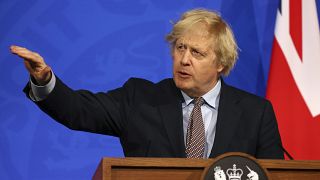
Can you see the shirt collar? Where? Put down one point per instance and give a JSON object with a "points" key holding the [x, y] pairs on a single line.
{"points": [[210, 97]]}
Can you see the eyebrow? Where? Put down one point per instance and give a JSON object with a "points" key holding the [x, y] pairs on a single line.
{"points": [[194, 47]]}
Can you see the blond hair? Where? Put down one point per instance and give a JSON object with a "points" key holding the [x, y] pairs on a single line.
{"points": [[224, 43]]}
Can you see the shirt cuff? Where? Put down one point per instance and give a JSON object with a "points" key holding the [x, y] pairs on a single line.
{"points": [[39, 93]]}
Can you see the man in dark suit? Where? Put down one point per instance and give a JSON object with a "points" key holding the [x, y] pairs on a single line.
{"points": [[193, 115]]}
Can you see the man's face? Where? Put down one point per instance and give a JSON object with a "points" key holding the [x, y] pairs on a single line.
{"points": [[195, 70]]}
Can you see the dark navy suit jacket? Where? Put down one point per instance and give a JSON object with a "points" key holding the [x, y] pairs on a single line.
{"points": [[147, 118]]}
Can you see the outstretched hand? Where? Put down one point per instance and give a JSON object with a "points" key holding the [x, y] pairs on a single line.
{"points": [[34, 63]]}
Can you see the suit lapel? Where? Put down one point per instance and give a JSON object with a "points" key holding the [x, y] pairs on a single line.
{"points": [[227, 120], [171, 114]]}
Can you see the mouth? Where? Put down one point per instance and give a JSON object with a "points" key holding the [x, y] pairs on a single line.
{"points": [[184, 74]]}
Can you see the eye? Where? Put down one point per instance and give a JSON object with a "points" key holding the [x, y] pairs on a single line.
{"points": [[180, 46], [197, 54]]}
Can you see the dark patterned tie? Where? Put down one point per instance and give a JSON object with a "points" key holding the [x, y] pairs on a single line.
{"points": [[195, 132]]}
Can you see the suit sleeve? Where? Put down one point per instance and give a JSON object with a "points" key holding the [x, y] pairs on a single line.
{"points": [[102, 113], [269, 145]]}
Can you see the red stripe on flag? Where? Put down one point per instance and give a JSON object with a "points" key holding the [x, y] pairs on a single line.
{"points": [[296, 24]]}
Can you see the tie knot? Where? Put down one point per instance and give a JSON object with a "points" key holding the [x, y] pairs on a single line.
{"points": [[199, 101]]}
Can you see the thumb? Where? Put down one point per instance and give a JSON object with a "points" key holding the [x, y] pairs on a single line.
{"points": [[42, 77], [45, 75], [46, 70]]}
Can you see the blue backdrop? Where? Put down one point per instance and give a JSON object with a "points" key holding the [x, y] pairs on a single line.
{"points": [[98, 45]]}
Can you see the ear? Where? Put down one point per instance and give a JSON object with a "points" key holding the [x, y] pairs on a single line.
{"points": [[172, 49], [220, 68]]}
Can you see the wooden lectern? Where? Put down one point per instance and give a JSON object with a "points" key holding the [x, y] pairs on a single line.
{"points": [[189, 169]]}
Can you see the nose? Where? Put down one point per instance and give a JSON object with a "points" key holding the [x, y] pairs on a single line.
{"points": [[186, 58]]}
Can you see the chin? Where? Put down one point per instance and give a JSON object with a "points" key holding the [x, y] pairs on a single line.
{"points": [[182, 84]]}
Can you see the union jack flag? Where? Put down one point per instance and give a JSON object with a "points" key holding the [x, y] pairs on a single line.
{"points": [[294, 78]]}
